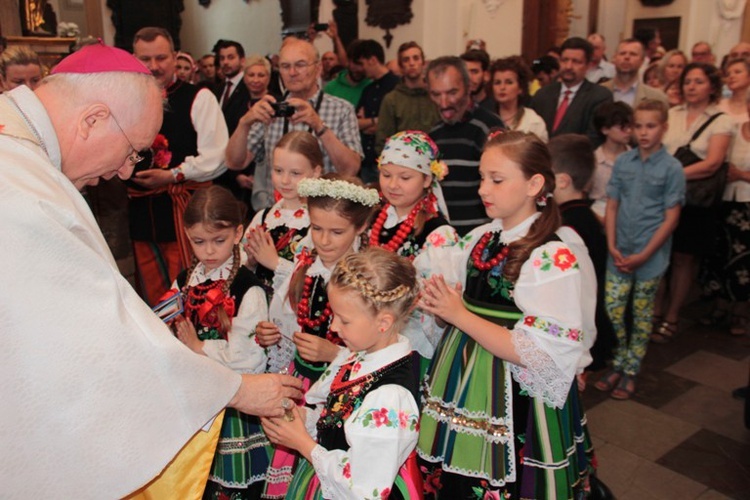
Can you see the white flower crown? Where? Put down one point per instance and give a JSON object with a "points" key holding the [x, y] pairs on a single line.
{"points": [[339, 190]]}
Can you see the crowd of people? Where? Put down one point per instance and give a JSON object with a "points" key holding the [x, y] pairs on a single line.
{"points": [[413, 264]]}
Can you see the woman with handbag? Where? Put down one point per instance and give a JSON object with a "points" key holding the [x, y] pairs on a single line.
{"points": [[703, 151]]}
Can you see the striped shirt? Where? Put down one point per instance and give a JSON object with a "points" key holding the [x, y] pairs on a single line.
{"points": [[460, 147]]}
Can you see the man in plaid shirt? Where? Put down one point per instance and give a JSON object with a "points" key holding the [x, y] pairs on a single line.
{"points": [[332, 120]]}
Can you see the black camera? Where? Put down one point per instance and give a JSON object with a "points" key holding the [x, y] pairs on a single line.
{"points": [[282, 109], [321, 27]]}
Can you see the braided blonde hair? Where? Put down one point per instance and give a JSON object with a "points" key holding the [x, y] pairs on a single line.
{"points": [[384, 281]]}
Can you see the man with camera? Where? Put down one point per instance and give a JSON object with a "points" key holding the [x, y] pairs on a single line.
{"points": [[305, 107]]}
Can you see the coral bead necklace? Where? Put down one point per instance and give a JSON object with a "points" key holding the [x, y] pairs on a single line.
{"points": [[404, 230], [476, 254], [303, 308]]}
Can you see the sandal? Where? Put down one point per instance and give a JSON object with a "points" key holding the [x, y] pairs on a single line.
{"points": [[608, 381], [664, 333], [625, 389]]}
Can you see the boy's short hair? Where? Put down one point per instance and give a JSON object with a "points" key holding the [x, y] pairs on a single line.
{"points": [[572, 154], [610, 114], [366, 49], [654, 105], [477, 55]]}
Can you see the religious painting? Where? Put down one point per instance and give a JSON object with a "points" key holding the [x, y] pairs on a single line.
{"points": [[37, 18]]}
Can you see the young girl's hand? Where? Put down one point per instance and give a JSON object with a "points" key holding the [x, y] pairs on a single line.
{"points": [[290, 433], [261, 247], [267, 334], [315, 349], [187, 334], [440, 299]]}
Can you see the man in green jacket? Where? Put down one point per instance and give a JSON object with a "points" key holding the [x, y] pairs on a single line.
{"points": [[408, 106]]}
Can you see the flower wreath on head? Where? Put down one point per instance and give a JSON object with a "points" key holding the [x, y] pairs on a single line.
{"points": [[339, 190]]}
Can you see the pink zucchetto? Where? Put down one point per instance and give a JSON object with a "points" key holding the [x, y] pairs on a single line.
{"points": [[99, 58]]}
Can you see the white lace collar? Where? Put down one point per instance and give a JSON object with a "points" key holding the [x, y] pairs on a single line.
{"points": [[511, 235], [369, 362], [200, 275], [293, 219]]}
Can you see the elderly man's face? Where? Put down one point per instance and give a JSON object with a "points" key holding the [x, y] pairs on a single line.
{"points": [[449, 93], [702, 53], [298, 68], [599, 47], [742, 49], [107, 150], [158, 57]]}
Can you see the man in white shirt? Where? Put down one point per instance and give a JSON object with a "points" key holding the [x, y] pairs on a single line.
{"points": [[196, 137]]}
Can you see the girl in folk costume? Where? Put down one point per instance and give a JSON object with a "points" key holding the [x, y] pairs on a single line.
{"points": [[359, 432], [224, 301], [501, 416], [299, 337], [414, 216], [274, 233]]}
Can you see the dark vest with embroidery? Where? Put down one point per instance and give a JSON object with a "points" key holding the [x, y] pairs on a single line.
{"points": [[243, 281], [285, 252], [318, 303], [152, 217], [350, 395]]}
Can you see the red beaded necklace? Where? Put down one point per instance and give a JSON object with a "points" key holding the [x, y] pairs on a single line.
{"points": [[306, 259], [476, 254], [406, 227]]}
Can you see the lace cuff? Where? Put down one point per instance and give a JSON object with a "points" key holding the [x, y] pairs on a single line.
{"points": [[539, 376], [318, 456], [280, 355]]}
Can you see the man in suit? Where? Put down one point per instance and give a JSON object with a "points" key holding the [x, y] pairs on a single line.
{"points": [[234, 98], [567, 106], [232, 94], [626, 86]]}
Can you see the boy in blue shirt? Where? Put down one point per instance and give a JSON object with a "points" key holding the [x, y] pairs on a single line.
{"points": [[645, 195]]}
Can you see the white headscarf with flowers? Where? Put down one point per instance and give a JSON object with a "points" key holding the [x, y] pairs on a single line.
{"points": [[415, 150]]}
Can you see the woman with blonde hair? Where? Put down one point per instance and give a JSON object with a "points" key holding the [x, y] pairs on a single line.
{"points": [[19, 65]]}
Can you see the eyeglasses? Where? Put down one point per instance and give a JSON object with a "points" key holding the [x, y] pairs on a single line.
{"points": [[299, 66], [134, 157]]}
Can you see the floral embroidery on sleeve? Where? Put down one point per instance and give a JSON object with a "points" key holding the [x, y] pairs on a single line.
{"points": [[553, 329], [389, 418], [562, 258]]}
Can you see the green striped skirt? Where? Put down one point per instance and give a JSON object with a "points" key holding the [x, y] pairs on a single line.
{"points": [[478, 423]]}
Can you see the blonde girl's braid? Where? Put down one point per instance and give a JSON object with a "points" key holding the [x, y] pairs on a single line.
{"points": [[384, 281], [366, 287]]}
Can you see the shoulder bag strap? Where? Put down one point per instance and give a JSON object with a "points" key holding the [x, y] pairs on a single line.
{"points": [[703, 127]]}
